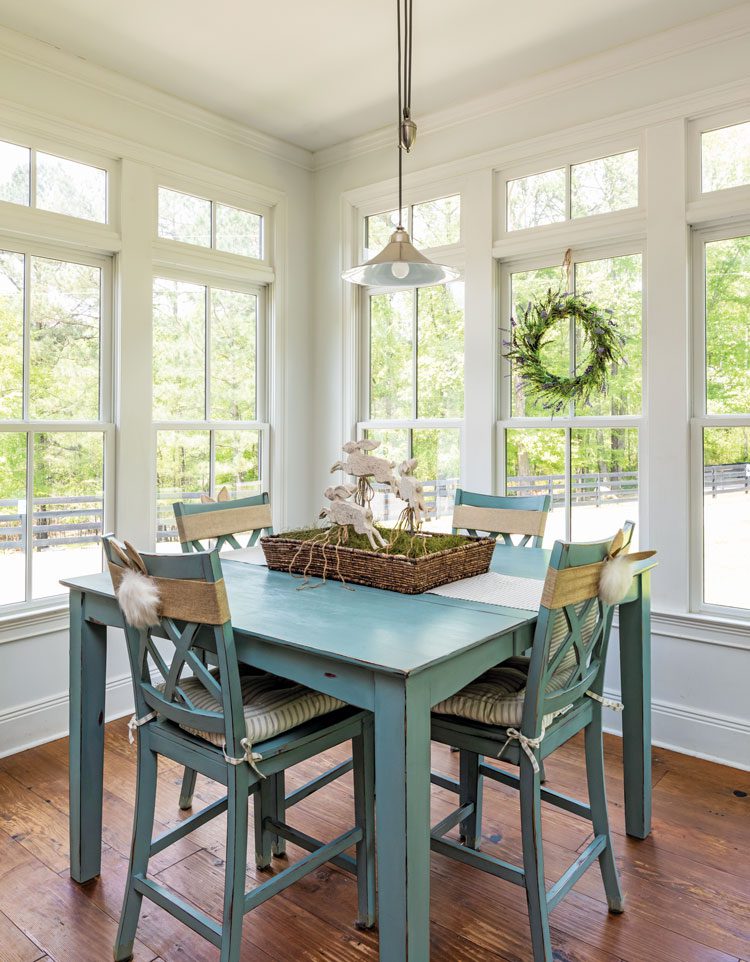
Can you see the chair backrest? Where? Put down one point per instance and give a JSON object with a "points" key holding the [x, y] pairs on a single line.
{"points": [[503, 518], [193, 616], [222, 520], [572, 634]]}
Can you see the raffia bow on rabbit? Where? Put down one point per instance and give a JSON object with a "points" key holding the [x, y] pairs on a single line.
{"points": [[343, 511]]}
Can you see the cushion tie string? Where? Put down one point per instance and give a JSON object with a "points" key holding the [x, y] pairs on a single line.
{"points": [[527, 744], [250, 757], [136, 723], [607, 702]]}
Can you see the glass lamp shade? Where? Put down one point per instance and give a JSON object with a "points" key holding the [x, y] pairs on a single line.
{"points": [[400, 264]]}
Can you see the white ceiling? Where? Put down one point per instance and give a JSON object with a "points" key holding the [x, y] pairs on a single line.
{"points": [[317, 72]]}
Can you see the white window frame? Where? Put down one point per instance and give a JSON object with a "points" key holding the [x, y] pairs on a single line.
{"points": [[701, 419], [507, 421], [104, 425], [728, 199]]}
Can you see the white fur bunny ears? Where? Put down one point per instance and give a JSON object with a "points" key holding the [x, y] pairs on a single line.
{"points": [[137, 593], [616, 574]]}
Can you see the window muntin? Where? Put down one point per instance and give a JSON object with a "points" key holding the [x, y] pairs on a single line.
{"points": [[725, 157], [61, 185], [601, 186], [52, 316], [432, 223], [205, 223]]}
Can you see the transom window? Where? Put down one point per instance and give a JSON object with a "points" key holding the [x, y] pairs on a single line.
{"points": [[57, 184], [432, 223], [206, 394], [54, 419], [587, 457], [725, 157], [600, 186], [206, 223]]}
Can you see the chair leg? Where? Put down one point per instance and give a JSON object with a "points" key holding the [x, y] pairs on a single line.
{"points": [[143, 826], [235, 864], [542, 773], [265, 807], [363, 752], [599, 815], [278, 844], [533, 861], [471, 792], [188, 789]]}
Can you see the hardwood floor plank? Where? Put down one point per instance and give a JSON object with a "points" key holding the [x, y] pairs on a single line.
{"points": [[15, 946]]}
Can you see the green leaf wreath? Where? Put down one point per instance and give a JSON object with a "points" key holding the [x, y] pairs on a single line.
{"points": [[529, 334]]}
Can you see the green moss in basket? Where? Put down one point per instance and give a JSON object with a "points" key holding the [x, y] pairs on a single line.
{"points": [[404, 543]]}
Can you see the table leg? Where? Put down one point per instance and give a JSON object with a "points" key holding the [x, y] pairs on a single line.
{"points": [[635, 674], [88, 662], [402, 779]]}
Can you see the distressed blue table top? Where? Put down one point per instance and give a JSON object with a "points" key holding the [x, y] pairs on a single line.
{"points": [[384, 630]]}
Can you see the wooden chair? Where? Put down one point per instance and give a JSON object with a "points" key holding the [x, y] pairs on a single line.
{"points": [[522, 711], [210, 722], [502, 517], [222, 520]]}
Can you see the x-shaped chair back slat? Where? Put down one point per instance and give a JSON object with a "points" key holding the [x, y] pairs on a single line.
{"points": [[219, 522]]}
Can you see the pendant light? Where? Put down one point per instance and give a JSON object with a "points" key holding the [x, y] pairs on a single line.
{"points": [[400, 264]]}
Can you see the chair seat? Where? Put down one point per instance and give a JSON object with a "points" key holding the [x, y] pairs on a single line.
{"points": [[272, 705]]}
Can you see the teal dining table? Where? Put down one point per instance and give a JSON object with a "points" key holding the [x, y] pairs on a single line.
{"points": [[395, 655]]}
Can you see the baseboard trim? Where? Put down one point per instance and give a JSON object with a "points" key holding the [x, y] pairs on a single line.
{"points": [[677, 726], [38, 722]]}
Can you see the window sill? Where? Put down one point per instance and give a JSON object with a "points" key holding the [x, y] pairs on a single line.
{"points": [[702, 628], [34, 619]]}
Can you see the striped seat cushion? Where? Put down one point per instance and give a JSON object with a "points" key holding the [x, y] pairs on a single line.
{"points": [[497, 697], [272, 705]]}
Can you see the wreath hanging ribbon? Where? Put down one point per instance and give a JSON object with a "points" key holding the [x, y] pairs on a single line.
{"points": [[530, 333]]}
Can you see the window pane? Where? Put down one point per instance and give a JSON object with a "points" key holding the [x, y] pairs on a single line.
{"points": [[438, 452], [237, 462], [535, 464], [378, 230], [394, 446], [67, 187], [437, 222], [615, 283], [391, 354], [440, 351], [233, 326], [726, 157], [64, 324], [605, 185], [182, 474], [536, 200], [525, 287], [11, 334], [185, 218], [728, 326], [179, 350], [68, 508], [726, 516], [15, 164], [238, 231], [12, 517], [604, 468]]}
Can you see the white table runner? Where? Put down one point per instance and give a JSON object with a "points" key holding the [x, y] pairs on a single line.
{"points": [[249, 556], [496, 589]]}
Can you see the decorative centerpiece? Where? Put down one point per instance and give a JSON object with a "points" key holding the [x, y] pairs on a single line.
{"points": [[352, 547]]}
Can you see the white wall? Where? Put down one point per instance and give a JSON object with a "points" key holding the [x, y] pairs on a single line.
{"points": [[648, 91], [67, 102]]}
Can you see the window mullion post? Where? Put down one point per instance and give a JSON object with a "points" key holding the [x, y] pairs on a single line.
{"points": [[568, 485], [29, 516], [207, 354], [26, 375], [415, 355], [32, 179]]}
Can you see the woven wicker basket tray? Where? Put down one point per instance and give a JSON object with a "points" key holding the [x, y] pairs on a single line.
{"points": [[410, 576]]}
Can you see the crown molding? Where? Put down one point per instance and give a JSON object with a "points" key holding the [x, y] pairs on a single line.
{"points": [[55, 61], [619, 61]]}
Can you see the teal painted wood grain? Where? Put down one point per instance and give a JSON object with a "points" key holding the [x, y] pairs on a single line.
{"points": [[531, 502]]}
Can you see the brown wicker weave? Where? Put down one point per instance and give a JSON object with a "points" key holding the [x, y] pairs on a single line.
{"points": [[410, 576]]}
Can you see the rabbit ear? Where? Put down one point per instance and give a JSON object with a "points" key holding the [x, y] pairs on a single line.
{"points": [[223, 494], [618, 542], [205, 499], [136, 561], [119, 552]]}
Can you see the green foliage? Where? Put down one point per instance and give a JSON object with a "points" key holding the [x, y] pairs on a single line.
{"points": [[530, 334], [403, 542]]}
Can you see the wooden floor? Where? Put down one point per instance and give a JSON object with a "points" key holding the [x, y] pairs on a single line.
{"points": [[687, 886]]}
